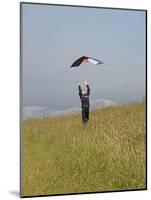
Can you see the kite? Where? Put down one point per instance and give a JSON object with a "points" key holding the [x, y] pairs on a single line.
{"points": [[85, 60]]}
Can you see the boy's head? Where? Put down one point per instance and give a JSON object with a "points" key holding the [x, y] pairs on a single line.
{"points": [[83, 92]]}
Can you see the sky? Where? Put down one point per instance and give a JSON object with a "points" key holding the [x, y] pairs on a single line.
{"points": [[53, 37]]}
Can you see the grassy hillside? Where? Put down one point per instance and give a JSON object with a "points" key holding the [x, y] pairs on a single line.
{"points": [[61, 156]]}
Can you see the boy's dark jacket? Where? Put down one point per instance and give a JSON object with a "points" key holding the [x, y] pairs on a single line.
{"points": [[84, 97]]}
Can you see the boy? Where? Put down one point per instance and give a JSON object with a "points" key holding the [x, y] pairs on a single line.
{"points": [[85, 103]]}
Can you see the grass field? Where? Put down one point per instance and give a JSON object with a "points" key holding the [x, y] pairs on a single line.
{"points": [[60, 156]]}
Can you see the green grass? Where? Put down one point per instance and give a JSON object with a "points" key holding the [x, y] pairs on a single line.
{"points": [[61, 156]]}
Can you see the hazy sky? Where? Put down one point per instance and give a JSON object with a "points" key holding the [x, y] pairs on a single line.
{"points": [[55, 36]]}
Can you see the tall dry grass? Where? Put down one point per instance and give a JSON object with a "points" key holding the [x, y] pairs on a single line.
{"points": [[60, 156]]}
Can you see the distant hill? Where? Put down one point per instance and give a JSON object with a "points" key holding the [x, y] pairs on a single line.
{"points": [[30, 112]]}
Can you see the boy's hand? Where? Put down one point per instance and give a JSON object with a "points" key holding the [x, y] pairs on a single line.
{"points": [[77, 82], [85, 82]]}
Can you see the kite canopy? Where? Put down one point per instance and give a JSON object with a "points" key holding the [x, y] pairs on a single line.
{"points": [[85, 59]]}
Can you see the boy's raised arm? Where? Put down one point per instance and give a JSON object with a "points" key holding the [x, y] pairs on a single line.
{"points": [[88, 88], [79, 87]]}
